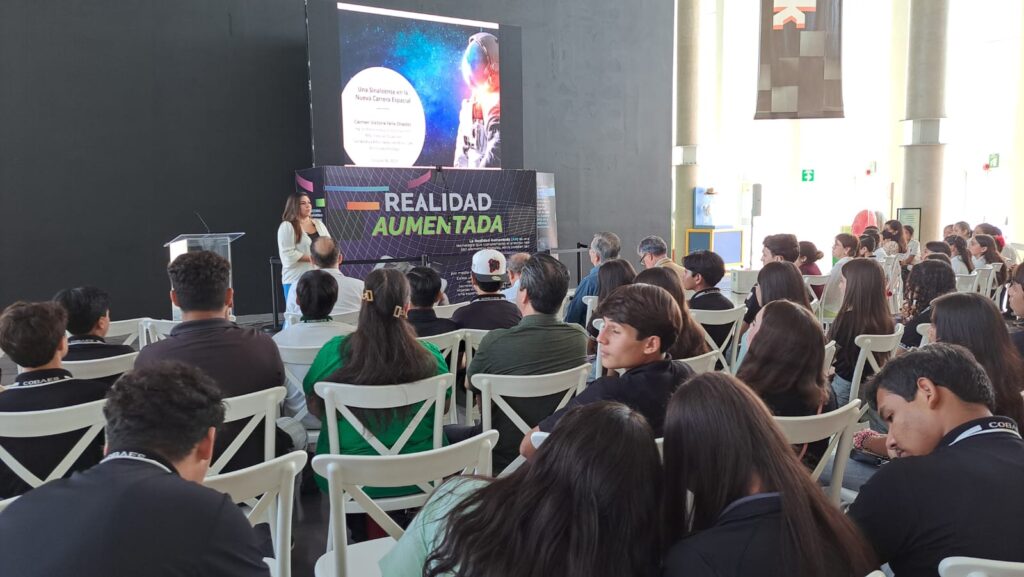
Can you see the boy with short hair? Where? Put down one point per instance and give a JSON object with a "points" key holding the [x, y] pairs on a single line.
{"points": [[425, 292], [88, 309], [704, 270], [641, 324]]}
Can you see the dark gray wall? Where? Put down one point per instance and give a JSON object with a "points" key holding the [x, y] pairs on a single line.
{"points": [[119, 118]]}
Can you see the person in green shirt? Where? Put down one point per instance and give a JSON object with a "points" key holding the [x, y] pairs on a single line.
{"points": [[382, 351]]}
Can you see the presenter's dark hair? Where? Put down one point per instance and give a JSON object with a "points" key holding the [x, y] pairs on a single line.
{"points": [[718, 463], [546, 282], [787, 355], [707, 264], [324, 252], [291, 212], [166, 408], [649, 309], [31, 333], [200, 280], [849, 243], [973, 321], [958, 243], [938, 247], [613, 273], [424, 284], [928, 280], [85, 305], [782, 280], [316, 294], [549, 518], [783, 245], [947, 365], [384, 349], [810, 252], [690, 342]]}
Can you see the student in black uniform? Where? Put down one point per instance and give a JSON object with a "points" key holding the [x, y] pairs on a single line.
{"points": [[755, 510], [704, 270], [32, 334], [143, 510], [954, 488], [88, 310]]}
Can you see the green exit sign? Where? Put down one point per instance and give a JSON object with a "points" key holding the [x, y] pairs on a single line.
{"points": [[993, 161], [807, 175]]}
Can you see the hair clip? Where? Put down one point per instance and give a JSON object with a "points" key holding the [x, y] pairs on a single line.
{"points": [[368, 295], [400, 312]]}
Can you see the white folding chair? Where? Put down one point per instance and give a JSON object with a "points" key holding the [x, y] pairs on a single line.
{"points": [[565, 302], [100, 368], [591, 302], [967, 283], [347, 475], [830, 355], [660, 442], [837, 426], [131, 328], [598, 369], [497, 388], [923, 329], [973, 567], [292, 318], [985, 281], [259, 406], [448, 343], [7, 503], [294, 358], [342, 398], [870, 344], [446, 311], [153, 330], [32, 424], [996, 289], [702, 363], [351, 318], [472, 339], [813, 280], [273, 483], [877, 573], [716, 318]]}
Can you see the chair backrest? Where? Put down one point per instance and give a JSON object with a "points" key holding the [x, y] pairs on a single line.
{"points": [[347, 475], [835, 426], [472, 338], [293, 357], [830, 354], [153, 330], [351, 318], [100, 368], [986, 280], [870, 344], [7, 503], [496, 388], [273, 483], [876, 574], [446, 311], [560, 315], [818, 306], [966, 283], [30, 424], [732, 317], [923, 329], [702, 363], [598, 369], [292, 318], [259, 406], [973, 567], [131, 328], [591, 302], [448, 343]]}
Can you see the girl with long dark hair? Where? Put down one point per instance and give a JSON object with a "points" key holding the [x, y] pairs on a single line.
{"points": [[958, 255], [754, 508], [295, 236], [1005, 249], [691, 341], [586, 503], [985, 252], [777, 280], [382, 351], [865, 311], [612, 274], [973, 321], [893, 241], [927, 281]]}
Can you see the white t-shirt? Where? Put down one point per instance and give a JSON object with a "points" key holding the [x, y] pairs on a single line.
{"points": [[958, 265]]}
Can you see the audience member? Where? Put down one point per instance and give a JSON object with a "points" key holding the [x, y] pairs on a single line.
{"points": [[958, 255], [868, 247], [947, 231], [382, 351], [653, 252], [316, 291], [240, 360], [690, 342], [913, 246], [326, 256], [936, 247], [488, 309], [845, 249], [604, 247], [974, 322], [807, 263], [784, 365], [1005, 249], [540, 344], [641, 323], [865, 311], [893, 241], [143, 510], [1015, 300], [955, 490], [776, 281], [737, 500], [586, 504], [927, 281], [941, 258], [516, 262], [32, 335], [962, 229], [984, 252], [88, 310], [613, 274], [425, 292], [705, 269], [776, 248]]}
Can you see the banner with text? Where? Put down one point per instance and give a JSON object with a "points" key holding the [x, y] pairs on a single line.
{"points": [[400, 213], [800, 73]]}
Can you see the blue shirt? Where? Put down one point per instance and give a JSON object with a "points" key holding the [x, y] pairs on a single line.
{"points": [[576, 312]]}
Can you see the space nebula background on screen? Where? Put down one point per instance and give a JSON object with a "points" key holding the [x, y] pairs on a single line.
{"points": [[427, 54]]}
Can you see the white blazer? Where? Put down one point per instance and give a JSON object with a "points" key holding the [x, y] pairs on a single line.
{"points": [[291, 251]]}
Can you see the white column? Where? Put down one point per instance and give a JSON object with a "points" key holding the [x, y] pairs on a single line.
{"points": [[684, 133]]}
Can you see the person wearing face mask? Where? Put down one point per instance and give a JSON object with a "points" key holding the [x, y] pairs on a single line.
{"points": [[937, 402]]}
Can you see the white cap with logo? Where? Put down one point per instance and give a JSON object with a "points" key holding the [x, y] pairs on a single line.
{"points": [[489, 266]]}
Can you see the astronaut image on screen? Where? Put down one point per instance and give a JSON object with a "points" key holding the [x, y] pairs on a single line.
{"points": [[478, 141]]}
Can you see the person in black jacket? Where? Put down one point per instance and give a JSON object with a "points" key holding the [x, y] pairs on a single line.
{"points": [[755, 510], [142, 510]]}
